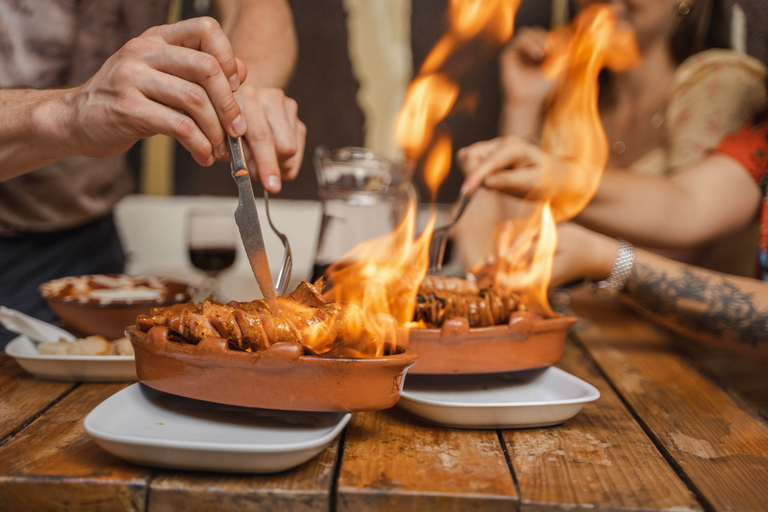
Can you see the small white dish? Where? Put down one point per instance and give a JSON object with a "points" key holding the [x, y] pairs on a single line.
{"points": [[74, 368], [152, 428], [534, 398]]}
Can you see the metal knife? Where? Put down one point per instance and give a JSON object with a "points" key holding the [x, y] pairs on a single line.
{"points": [[247, 219]]}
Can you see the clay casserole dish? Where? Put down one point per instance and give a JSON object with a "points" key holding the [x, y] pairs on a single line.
{"points": [[280, 377], [525, 343]]}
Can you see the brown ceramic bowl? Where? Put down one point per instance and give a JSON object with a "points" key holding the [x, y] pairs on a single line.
{"points": [[527, 342], [280, 377], [105, 304]]}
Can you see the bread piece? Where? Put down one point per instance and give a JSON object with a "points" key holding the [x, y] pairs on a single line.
{"points": [[59, 348], [90, 346], [122, 347]]}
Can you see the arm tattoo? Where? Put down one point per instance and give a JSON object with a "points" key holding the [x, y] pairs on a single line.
{"points": [[711, 305]]}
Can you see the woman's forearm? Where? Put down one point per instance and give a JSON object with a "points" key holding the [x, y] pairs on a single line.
{"points": [[701, 304], [696, 205]]}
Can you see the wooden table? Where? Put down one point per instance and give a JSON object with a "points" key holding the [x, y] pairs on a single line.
{"points": [[677, 428]]}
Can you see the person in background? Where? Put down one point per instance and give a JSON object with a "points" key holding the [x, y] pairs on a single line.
{"points": [[718, 194], [83, 81], [660, 117]]}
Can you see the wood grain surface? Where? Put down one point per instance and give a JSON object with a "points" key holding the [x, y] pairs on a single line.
{"points": [[601, 458], [306, 488], [24, 396], [721, 449], [394, 461], [54, 464]]}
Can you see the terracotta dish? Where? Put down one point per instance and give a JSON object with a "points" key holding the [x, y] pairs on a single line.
{"points": [[279, 377], [526, 342], [105, 304]]}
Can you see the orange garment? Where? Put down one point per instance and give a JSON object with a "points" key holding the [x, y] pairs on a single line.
{"points": [[749, 147]]}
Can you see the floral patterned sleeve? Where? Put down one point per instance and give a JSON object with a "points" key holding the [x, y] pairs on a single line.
{"points": [[749, 147], [714, 93]]}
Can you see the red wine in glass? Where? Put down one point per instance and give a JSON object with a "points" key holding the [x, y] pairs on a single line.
{"points": [[212, 260]]}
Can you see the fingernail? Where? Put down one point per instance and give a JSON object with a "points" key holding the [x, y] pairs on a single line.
{"points": [[234, 82], [239, 126], [221, 150], [273, 183]]}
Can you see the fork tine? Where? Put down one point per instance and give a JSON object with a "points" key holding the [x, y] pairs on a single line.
{"points": [[286, 266], [440, 236]]}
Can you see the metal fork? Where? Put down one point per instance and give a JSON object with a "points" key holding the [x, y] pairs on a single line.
{"points": [[440, 236], [287, 265]]}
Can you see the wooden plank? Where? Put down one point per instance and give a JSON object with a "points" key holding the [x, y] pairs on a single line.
{"points": [[53, 464], [720, 447], [302, 489], [744, 374], [23, 396], [395, 461], [600, 459]]}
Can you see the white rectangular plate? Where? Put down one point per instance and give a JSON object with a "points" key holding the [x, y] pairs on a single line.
{"points": [[534, 398], [75, 368], [149, 427]]}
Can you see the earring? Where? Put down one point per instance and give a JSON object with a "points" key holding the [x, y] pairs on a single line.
{"points": [[683, 9]]}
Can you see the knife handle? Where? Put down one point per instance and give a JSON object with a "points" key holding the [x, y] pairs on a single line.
{"points": [[236, 155]]}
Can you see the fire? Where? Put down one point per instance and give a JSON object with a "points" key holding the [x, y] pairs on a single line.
{"points": [[433, 93], [380, 277], [572, 132]]}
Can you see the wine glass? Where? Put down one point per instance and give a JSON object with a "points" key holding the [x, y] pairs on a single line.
{"points": [[212, 242]]}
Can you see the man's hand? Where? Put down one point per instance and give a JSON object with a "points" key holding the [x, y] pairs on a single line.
{"points": [[177, 80], [275, 136]]}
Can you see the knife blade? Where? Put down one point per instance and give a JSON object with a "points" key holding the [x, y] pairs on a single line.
{"points": [[247, 219]]}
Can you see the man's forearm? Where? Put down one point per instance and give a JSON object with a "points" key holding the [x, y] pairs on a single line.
{"points": [[33, 132], [263, 37], [701, 304]]}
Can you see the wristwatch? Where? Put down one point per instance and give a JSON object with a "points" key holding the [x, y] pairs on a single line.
{"points": [[622, 266]]}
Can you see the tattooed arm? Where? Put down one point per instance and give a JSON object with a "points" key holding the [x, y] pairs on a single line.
{"points": [[700, 304]]}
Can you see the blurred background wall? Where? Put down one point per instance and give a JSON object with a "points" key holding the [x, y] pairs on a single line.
{"points": [[356, 58]]}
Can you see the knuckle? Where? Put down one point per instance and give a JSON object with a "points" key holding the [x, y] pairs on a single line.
{"points": [[208, 65], [194, 97], [184, 126], [209, 24], [229, 106]]}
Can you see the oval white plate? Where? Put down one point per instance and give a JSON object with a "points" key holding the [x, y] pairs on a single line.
{"points": [[76, 368], [534, 398], [149, 427]]}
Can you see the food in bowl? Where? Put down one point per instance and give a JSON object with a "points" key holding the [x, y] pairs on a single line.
{"points": [[322, 328], [314, 356], [468, 329], [105, 304], [442, 298]]}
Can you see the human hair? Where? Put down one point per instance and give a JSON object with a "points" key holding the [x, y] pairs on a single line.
{"points": [[705, 26]]}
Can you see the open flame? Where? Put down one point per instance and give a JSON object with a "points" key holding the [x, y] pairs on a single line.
{"points": [[573, 133], [381, 276]]}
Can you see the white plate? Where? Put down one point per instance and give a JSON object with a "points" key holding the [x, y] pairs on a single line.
{"points": [[149, 427], [535, 398], [76, 368]]}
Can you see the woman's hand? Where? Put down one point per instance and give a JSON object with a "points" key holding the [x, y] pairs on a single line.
{"points": [[521, 74], [582, 254], [509, 164], [176, 80]]}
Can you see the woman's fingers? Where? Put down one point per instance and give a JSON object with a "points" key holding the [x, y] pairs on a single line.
{"points": [[507, 153]]}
